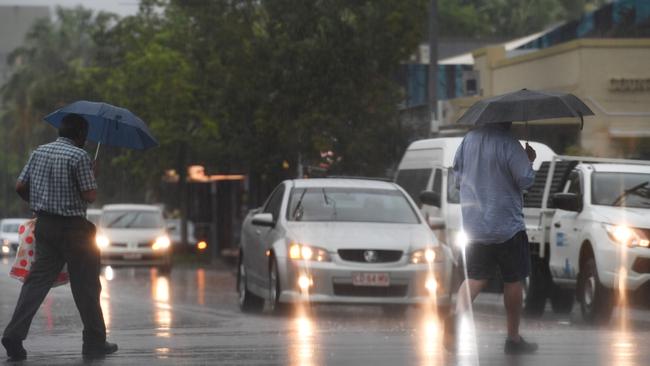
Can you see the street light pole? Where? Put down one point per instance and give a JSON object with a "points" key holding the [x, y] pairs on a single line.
{"points": [[433, 68]]}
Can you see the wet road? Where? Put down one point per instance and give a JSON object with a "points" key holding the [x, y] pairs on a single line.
{"points": [[191, 318]]}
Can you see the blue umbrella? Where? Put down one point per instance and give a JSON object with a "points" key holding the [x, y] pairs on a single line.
{"points": [[108, 124]]}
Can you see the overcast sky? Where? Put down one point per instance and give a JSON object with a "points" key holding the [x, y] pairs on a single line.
{"points": [[121, 7]]}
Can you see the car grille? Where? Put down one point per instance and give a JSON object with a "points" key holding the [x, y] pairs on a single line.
{"points": [[119, 245], [144, 245], [357, 255], [370, 291]]}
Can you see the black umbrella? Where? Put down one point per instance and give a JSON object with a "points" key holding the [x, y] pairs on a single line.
{"points": [[525, 105]]}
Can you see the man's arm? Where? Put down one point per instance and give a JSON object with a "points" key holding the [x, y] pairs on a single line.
{"points": [[86, 180], [520, 162], [22, 189], [89, 196]]}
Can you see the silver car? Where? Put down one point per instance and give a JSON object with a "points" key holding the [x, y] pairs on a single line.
{"points": [[130, 234], [340, 241]]}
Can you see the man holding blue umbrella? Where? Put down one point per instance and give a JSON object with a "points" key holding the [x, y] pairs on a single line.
{"points": [[58, 182]]}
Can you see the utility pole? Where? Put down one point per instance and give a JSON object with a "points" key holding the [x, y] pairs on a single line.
{"points": [[432, 124]]}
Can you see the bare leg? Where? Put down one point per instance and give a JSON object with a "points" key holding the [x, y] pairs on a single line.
{"points": [[512, 299], [467, 292]]}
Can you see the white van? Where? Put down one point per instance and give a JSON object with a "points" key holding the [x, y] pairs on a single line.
{"points": [[427, 166]]}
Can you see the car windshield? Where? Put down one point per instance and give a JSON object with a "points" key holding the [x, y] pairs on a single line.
{"points": [[350, 205], [115, 219], [10, 228], [621, 189]]}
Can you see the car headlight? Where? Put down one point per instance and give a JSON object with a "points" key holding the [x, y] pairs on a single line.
{"points": [[627, 236], [299, 251], [161, 243], [461, 240], [102, 241], [5, 241], [427, 255]]}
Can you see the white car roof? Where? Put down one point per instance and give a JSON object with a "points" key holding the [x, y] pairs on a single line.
{"points": [[130, 207], [449, 145], [342, 183], [621, 168], [13, 221]]}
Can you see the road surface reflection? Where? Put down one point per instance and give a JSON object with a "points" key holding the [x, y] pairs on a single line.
{"points": [[162, 308]]}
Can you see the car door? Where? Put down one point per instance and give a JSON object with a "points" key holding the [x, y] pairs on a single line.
{"points": [[566, 233], [263, 237]]}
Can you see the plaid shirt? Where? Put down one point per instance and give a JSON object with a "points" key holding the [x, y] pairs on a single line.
{"points": [[56, 174]]}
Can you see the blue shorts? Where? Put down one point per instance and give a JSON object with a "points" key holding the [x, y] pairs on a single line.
{"points": [[512, 257]]}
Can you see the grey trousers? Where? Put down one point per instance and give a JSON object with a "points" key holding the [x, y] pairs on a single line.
{"points": [[61, 240]]}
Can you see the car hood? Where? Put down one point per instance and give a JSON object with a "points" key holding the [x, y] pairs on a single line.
{"points": [[635, 217], [333, 236], [12, 237], [131, 235]]}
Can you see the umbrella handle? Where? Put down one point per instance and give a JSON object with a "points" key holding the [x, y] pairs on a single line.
{"points": [[97, 151], [527, 133]]}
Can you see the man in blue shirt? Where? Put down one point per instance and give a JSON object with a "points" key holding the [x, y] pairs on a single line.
{"points": [[492, 170], [58, 182]]}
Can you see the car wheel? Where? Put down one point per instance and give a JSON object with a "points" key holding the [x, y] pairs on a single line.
{"points": [[395, 310], [275, 289], [248, 302], [562, 300], [536, 288], [596, 300]]}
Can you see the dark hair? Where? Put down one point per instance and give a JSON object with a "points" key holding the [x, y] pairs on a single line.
{"points": [[73, 126]]}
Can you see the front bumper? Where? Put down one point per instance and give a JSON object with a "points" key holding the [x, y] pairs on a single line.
{"points": [[618, 266], [132, 258], [332, 282]]}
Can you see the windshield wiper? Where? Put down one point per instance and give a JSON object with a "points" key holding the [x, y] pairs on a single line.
{"points": [[626, 192], [116, 220], [298, 205], [328, 200]]}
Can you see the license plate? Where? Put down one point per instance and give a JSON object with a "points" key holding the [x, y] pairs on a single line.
{"points": [[132, 256], [371, 279]]}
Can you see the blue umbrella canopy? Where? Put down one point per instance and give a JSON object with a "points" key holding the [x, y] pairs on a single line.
{"points": [[108, 124]]}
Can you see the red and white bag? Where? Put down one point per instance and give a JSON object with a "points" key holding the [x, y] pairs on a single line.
{"points": [[26, 254]]}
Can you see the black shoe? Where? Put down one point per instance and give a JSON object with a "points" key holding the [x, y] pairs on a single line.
{"points": [[15, 350], [449, 333], [519, 348], [98, 351]]}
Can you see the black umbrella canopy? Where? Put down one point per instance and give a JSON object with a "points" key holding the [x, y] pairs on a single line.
{"points": [[525, 105]]}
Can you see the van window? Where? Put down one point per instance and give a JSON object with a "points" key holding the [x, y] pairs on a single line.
{"points": [[414, 181], [453, 194]]}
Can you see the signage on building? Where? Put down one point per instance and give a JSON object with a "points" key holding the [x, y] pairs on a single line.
{"points": [[629, 84]]}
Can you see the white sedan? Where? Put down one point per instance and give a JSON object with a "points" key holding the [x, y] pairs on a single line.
{"points": [[130, 234], [340, 241]]}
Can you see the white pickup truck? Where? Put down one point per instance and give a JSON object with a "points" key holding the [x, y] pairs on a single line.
{"points": [[588, 222]]}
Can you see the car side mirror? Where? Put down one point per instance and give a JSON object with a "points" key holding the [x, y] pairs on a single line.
{"points": [[264, 219], [567, 201], [430, 198], [436, 223]]}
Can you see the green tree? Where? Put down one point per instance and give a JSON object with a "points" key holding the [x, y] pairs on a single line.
{"points": [[48, 73]]}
